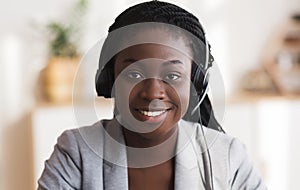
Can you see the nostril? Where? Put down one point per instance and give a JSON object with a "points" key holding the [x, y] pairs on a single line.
{"points": [[153, 89]]}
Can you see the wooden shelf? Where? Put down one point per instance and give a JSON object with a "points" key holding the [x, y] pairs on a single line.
{"points": [[244, 96], [282, 59]]}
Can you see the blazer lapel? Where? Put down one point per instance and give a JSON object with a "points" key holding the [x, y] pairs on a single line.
{"points": [[115, 174], [187, 169], [115, 177]]}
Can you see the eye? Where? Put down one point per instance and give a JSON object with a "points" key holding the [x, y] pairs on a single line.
{"points": [[172, 77], [134, 75]]}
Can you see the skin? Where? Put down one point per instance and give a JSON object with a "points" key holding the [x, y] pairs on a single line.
{"points": [[152, 79]]}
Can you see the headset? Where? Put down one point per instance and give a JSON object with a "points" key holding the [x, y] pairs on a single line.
{"points": [[104, 82]]}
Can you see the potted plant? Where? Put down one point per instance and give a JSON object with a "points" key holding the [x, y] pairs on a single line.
{"points": [[64, 56]]}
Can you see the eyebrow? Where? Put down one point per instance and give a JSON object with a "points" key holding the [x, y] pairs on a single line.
{"points": [[172, 62], [131, 60]]}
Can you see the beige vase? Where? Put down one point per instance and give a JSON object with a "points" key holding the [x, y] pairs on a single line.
{"points": [[59, 76]]}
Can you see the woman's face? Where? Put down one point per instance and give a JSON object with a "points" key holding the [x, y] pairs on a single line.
{"points": [[152, 85]]}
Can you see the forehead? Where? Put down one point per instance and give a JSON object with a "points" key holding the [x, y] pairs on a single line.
{"points": [[152, 57], [156, 51], [163, 38]]}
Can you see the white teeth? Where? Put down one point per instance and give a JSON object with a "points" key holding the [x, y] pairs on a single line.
{"points": [[152, 113]]}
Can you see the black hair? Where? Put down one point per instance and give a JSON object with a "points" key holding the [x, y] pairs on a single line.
{"points": [[163, 12]]}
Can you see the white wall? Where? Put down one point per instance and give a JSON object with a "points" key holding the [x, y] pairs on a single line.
{"points": [[269, 129]]}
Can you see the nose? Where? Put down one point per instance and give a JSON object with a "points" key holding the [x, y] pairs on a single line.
{"points": [[153, 89]]}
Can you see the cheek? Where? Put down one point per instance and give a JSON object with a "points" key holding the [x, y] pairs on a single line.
{"points": [[126, 95], [122, 94], [181, 95], [184, 95]]}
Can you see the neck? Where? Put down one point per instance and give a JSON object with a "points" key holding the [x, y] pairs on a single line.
{"points": [[146, 140], [152, 150]]}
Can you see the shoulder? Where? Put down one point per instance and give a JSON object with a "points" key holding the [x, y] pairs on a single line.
{"points": [[83, 138], [74, 135], [230, 162], [218, 142], [230, 158], [214, 139], [73, 159]]}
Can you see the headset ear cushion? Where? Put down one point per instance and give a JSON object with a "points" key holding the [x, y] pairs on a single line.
{"points": [[104, 82], [205, 84], [201, 77], [197, 78]]}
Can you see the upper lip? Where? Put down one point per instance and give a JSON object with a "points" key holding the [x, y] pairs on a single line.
{"points": [[162, 106]]}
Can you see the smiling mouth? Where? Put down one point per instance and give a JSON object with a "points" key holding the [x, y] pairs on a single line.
{"points": [[154, 113]]}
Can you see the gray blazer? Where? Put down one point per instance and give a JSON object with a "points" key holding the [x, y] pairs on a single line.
{"points": [[89, 159]]}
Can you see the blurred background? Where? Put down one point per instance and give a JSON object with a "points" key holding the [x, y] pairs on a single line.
{"points": [[256, 45]]}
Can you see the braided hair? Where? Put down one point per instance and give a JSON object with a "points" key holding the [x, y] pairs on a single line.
{"points": [[163, 12]]}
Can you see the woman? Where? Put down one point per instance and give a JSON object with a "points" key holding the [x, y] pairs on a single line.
{"points": [[164, 135]]}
